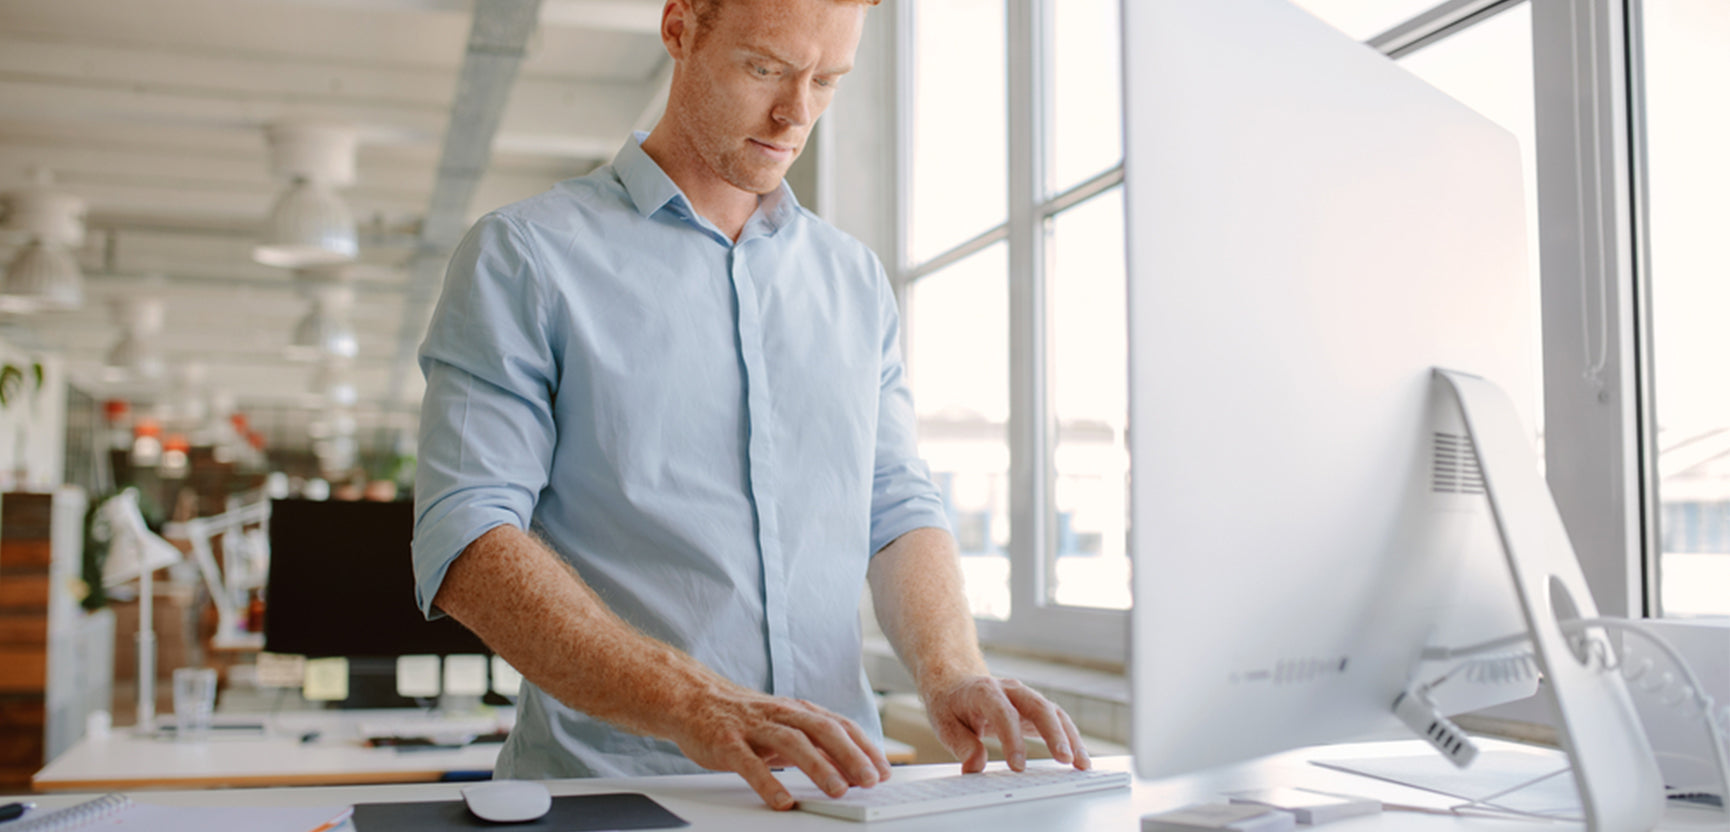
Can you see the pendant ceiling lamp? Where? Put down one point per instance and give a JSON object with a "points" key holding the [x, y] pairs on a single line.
{"points": [[310, 225], [333, 385], [137, 355], [327, 330], [44, 274]]}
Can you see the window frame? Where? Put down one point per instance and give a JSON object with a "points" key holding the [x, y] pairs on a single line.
{"points": [[1600, 452]]}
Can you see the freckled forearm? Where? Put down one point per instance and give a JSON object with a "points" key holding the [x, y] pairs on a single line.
{"points": [[536, 613], [916, 588]]}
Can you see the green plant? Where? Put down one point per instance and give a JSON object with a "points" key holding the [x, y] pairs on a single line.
{"points": [[12, 378]]}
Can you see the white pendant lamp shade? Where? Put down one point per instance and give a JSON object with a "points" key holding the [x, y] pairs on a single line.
{"points": [[137, 355], [310, 226], [42, 277], [333, 386], [44, 274], [327, 330], [320, 335]]}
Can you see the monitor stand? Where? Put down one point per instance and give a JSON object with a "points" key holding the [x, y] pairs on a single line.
{"points": [[1614, 769]]}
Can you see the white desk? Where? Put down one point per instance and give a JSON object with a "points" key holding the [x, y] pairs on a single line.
{"points": [[723, 803]]}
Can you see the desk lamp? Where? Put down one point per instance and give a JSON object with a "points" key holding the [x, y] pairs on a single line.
{"points": [[136, 552]]}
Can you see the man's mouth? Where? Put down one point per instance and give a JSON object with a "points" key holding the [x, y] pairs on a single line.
{"points": [[773, 149]]}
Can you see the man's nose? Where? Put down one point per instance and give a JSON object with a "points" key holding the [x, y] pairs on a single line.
{"points": [[794, 107]]}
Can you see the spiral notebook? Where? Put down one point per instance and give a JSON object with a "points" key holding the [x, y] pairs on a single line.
{"points": [[119, 812]]}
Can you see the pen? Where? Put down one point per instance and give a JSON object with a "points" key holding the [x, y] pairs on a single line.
{"points": [[336, 821], [14, 811]]}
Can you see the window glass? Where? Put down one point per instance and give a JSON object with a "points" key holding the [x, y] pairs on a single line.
{"points": [[1089, 379], [959, 127], [1687, 60], [1086, 86], [1488, 67], [958, 363], [1364, 19]]}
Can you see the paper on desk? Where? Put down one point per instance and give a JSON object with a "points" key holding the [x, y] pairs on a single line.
{"points": [[1494, 777], [280, 670], [326, 680], [224, 819]]}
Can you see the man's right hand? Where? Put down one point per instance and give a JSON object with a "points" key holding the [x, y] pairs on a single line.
{"points": [[750, 733]]}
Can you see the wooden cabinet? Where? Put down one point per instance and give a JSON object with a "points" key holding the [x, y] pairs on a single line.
{"points": [[56, 660]]}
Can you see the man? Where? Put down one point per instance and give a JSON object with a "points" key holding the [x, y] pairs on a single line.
{"points": [[691, 391]]}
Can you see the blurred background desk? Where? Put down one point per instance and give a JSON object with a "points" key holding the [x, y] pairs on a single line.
{"points": [[337, 754]]}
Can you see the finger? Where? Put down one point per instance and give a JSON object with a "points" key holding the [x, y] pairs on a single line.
{"points": [[879, 760], [761, 780], [846, 748], [1006, 723], [964, 743], [1082, 761], [976, 761], [795, 747], [1038, 711]]}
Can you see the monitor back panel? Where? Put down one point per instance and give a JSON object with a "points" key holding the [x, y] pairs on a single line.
{"points": [[1310, 229]]}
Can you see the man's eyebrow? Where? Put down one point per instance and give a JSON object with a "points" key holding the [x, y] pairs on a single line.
{"points": [[765, 52]]}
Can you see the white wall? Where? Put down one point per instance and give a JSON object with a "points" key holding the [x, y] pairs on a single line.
{"points": [[33, 423], [857, 181]]}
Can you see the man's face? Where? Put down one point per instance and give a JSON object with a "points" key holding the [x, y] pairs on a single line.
{"points": [[756, 79]]}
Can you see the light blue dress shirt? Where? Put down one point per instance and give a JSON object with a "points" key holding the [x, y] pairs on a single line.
{"points": [[716, 435]]}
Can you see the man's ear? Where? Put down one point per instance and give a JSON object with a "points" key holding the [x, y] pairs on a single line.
{"points": [[678, 24]]}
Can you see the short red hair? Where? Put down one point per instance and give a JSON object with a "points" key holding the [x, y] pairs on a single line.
{"points": [[706, 10]]}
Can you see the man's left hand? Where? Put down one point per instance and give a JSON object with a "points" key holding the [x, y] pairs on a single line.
{"points": [[967, 710]]}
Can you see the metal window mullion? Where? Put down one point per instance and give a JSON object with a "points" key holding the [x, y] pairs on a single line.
{"points": [[973, 245], [1591, 373], [1029, 412], [1444, 20], [901, 169], [1088, 189], [1651, 505]]}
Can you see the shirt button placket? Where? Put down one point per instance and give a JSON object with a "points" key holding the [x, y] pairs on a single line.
{"points": [[759, 411]]}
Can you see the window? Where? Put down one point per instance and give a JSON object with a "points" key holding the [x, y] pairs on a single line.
{"points": [[957, 125], [1488, 67], [1090, 403], [960, 384], [1687, 74], [1013, 190], [1014, 292]]}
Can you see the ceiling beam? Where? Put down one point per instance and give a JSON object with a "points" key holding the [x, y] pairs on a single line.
{"points": [[498, 40], [638, 16], [573, 120]]}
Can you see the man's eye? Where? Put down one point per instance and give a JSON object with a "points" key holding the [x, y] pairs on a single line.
{"points": [[762, 71], [825, 82]]}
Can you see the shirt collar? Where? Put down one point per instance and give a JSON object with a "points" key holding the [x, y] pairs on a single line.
{"points": [[651, 190]]}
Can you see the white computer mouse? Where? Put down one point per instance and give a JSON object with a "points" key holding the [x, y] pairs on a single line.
{"points": [[508, 801]]}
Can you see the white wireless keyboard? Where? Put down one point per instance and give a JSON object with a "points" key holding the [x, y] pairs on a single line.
{"points": [[966, 791]]}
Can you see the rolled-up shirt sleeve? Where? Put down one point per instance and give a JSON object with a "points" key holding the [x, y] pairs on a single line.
{"points": [[486, 426], [903, 497]]}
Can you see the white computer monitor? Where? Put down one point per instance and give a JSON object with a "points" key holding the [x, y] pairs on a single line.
{"points": [[1311, 229]]}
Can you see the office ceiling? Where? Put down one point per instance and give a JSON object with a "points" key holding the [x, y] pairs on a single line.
{"points": [[153, 111]]}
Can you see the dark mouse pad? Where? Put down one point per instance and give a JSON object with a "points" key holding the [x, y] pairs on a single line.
{"points": [[571, 813]]}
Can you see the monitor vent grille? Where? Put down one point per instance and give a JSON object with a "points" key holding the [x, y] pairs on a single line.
{"points": [[1455, 467]]}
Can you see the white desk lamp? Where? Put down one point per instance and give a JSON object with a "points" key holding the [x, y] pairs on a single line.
{"points": [[136, 552]]}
